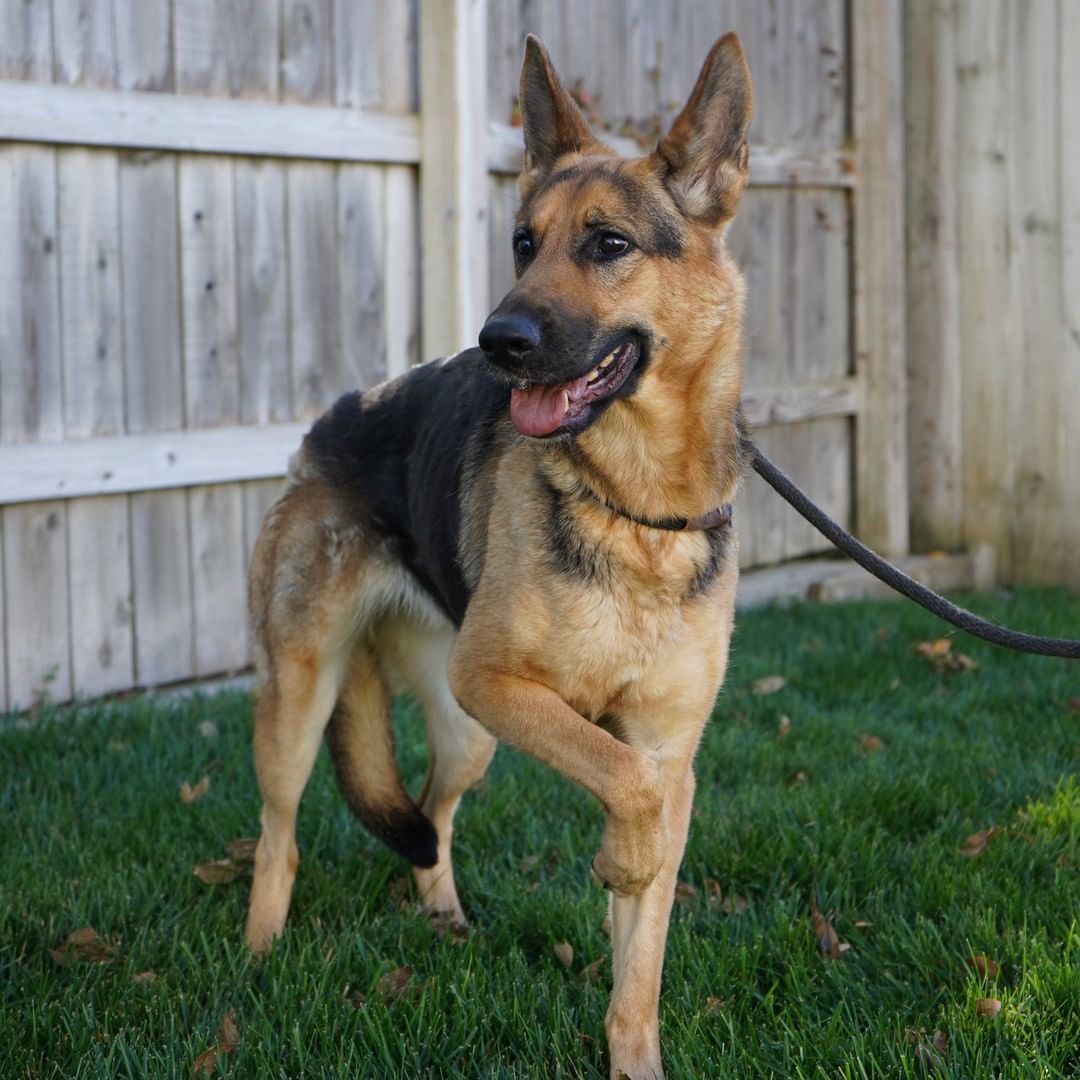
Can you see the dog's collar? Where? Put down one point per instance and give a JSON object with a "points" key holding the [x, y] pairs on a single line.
{"points": [[714, 519]]}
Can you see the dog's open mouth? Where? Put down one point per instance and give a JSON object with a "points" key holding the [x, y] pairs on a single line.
{"points": [[538, 410]]}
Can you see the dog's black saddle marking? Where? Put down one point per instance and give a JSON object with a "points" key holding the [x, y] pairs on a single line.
{"points": [[400, 453]]}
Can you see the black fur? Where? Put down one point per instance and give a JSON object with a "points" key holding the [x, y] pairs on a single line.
{"points": [[719, 539], [402, 827], [570, 553], [401, 456]]}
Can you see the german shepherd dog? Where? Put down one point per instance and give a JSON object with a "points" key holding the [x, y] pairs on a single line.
{"points": [[533, 536]]}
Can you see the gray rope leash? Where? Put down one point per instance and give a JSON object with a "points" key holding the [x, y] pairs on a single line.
{"points": [[898, 580]]}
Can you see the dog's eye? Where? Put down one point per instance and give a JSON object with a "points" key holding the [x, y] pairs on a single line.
{"points": [[523, 246], [612, 244]]}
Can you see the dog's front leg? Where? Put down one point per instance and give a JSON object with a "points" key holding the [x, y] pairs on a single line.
{"points": [[531, 717], [639, 927]]}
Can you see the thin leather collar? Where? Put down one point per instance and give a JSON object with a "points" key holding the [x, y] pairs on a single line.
{"points": [[714, 519]]}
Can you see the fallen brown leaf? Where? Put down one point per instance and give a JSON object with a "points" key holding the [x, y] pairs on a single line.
{"points": [[976, 843], [685, 893], [783, 727], [591, 972], [564, 953], [713, 891], [712, 1006], [242, 849], [894, 682], [862, 924], [208, 729], [1074, 704], [734, 904], [828, 941], [82, 944], [983, 966], [143, 978], [870, 744], [394, 984], [189, 794], [228, 1039], [217, 872], [797, 777], [934, 650], [930, 1055], [768, 684], [987, 1008]]}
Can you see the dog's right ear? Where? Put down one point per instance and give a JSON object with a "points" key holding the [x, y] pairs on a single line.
{"points": [[703, 158], [552, 122]]}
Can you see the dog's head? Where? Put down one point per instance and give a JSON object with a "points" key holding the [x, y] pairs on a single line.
{"points": [[621, 264]]}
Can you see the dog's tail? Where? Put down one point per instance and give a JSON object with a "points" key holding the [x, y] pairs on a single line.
{"points": [[361, 745]]}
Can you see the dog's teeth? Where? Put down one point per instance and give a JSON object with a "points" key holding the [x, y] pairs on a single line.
{"points": [[609, 359], [565, 401], [594, 374]]}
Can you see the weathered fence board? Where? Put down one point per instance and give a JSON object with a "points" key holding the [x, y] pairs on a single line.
{"points": [[102, 630], [993, 281]]}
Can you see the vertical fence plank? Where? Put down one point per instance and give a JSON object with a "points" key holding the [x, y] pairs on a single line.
{"points": [[262, 296], [36, 593], [31, 410], [102, 645], [401, 244], [1041, 550], [307, 56], [217, 552], [212, 381], [144, 38], [401, 235], [453, 177], [1069, 181], [318, 370], [208, 269], [361, 246], [31, 405], [933, 326], [161, 578], [92, 328], [26, 46], [880, 357], [83, 49], [987, 324]]}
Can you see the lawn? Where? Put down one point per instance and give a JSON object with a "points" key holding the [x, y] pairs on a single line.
{"points": [[876, 796]]}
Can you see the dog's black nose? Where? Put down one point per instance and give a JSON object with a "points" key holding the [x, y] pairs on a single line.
{"points": [[508, 338]]}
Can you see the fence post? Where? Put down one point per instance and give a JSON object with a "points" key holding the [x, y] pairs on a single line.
{"points": [[453, 174], [881, 444]]}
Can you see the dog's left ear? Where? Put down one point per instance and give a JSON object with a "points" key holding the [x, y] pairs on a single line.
{"points": [[552, 122], [703, 158]]}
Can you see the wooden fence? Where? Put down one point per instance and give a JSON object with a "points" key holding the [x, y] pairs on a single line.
{"points": [[993, 204], [212, 217]]}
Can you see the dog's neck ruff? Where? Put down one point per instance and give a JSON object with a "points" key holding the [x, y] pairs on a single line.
{"points": [[714, 519]]}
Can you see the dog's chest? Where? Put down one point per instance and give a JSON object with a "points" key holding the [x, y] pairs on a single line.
{"points": [[609, 640]]}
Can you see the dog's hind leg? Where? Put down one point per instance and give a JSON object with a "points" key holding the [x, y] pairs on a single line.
{"points": [[459, 751], [290, 717]]}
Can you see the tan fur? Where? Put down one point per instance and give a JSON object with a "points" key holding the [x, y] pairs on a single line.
{"points": [[542, 657]]}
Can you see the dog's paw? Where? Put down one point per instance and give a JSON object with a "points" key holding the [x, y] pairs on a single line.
{"points": [[630, 855]]}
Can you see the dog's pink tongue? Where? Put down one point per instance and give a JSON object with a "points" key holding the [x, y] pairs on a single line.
{"points": [[538, 410]]}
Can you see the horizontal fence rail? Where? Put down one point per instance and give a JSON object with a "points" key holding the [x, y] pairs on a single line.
{"points": [[189, 123], [123, 464]]}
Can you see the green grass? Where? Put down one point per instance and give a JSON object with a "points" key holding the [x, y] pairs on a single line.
{"points": [[94, 834]]}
